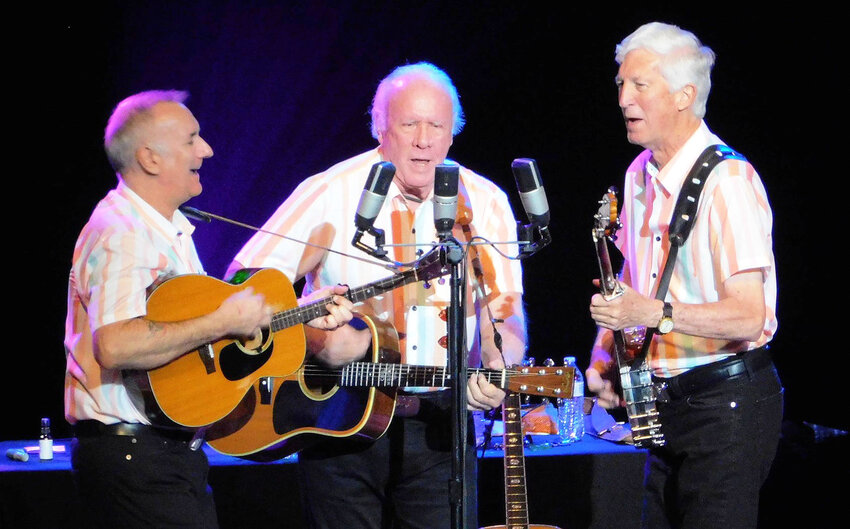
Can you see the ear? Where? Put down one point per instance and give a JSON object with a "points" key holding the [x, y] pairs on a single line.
{"points": [[686, 97], [148, 159]]}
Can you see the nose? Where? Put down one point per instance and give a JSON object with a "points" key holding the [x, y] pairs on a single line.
{"points": [[422, 136], [624, 95], [204, 149]]}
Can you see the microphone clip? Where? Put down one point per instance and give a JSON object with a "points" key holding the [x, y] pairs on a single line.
{"points": [[376, 233], [532, 238]]}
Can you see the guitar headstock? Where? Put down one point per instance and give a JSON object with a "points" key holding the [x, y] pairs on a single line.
{"points": [[544, 381], [606, 221], [430, 266]]}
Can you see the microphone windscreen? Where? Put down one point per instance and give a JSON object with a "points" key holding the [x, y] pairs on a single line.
{"points": [[531, 193], [446, 177], [374, 194]]}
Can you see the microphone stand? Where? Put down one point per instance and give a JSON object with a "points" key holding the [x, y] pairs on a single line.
{"points": [[458, 363]]}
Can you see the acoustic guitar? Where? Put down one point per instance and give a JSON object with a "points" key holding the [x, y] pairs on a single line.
{"points": [[282, 415], [205, 385], [516, 496], [635, 378]]}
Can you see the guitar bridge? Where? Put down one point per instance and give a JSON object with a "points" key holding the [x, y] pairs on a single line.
{"points": [[266, 389]]}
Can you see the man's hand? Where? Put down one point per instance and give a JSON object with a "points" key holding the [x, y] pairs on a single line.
{"points": [[339, 310], [630, 309], [604, 389], [482, 395]]}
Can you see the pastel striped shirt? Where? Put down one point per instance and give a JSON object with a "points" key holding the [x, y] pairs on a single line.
{"points": [[321, 211], [732, 233], [123, 249]]}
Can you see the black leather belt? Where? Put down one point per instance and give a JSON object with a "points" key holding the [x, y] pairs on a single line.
{"points": [[90, 428], [703, 377]]}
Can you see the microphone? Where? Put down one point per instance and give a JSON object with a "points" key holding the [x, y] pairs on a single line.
{"points": [[371, 201], [531, 192], [445, 197], [195, 213], [373, 196]]}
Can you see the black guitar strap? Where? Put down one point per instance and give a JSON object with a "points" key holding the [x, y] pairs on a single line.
{"points": [[683, 221]]}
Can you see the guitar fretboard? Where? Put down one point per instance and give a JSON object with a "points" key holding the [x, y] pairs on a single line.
{"points": [[372, 374], [316, 309], [516, 498]]}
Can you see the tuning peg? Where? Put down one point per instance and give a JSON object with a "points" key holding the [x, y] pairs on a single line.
{"points": [[528, 361], [548, 362]]}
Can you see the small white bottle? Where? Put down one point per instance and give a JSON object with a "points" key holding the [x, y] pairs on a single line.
{"points": [[45, 441]]}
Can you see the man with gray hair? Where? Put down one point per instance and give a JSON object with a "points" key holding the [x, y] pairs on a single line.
{"points": [[720, 402], [130, 472], [404, 475]]}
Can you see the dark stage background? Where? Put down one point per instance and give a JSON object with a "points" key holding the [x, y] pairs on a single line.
{"points": [[283, 90]]}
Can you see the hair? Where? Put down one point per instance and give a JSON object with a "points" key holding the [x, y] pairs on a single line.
{"points": [[684, 60], [424, 70], [122, 134]]}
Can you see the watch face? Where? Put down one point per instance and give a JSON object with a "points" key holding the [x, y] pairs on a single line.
{"points": [[665, 325]]}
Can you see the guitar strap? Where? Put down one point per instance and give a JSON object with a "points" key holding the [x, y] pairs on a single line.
{"points": [[683, 220]]}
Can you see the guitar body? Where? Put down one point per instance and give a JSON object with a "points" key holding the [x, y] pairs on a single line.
{"points": [[206, 384], [305, 409]]}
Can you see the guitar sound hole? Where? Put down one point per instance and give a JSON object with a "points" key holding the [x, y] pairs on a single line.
{"points": [[237, 363]]}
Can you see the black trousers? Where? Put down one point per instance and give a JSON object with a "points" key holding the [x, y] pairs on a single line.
{"points": [[721, 441], [399, 481], [146, 481]]}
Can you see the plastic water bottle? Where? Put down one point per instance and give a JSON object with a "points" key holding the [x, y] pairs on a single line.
{"points": [[45, 441], [571, 411], [577, 429]]}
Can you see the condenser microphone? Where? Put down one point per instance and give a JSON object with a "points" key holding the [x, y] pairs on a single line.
{"points": [[373, 196], [531, 192], [195, 213], [445, 197]]}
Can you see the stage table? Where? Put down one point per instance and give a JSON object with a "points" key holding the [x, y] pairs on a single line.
{"points": [[589, 484]]}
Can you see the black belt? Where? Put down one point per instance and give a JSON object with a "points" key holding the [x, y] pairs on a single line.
{"points": [[90, 428], [703, 377]]}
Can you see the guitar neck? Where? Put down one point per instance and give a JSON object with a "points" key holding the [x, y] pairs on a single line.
{"points": [[316, 309], [610, 287], [371, 374], [516, 498]]}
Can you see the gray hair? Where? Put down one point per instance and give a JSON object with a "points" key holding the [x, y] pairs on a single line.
{"points": [[420, 69], [122, 137], [684, 60]]}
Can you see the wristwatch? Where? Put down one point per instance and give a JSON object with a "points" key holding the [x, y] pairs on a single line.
{"points": [[665, 324]]}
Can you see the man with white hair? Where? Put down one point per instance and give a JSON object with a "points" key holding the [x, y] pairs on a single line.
{"points": [[404, 475], [721, 403]]}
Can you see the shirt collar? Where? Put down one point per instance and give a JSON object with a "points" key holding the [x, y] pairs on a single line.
{"points": [[673, 174], [175, 227]]}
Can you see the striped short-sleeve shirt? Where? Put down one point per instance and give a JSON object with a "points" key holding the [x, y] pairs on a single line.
{"points": [[123, 249], [732, 233], [321, 211]]}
